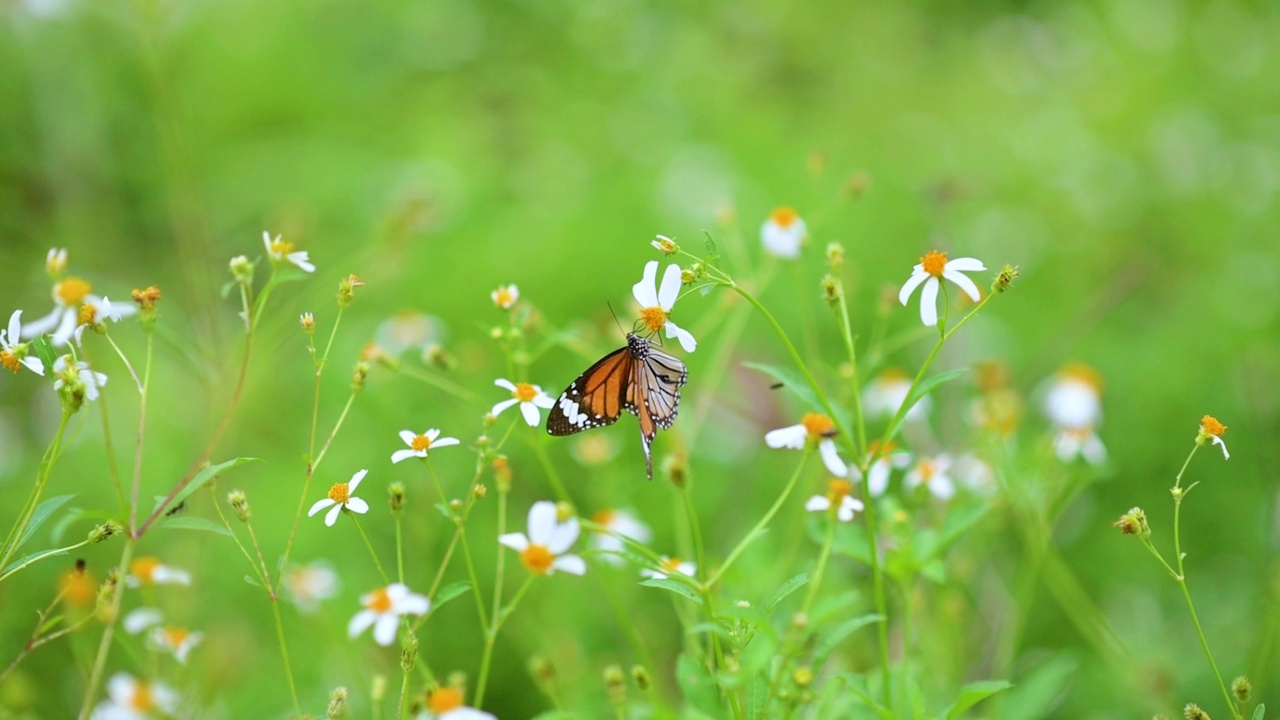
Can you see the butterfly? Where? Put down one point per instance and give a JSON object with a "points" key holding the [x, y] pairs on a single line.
{"points": [[637, 378]]}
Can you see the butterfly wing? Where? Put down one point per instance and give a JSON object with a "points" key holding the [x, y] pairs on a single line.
{"points": [[654, 396], [597, 397]]}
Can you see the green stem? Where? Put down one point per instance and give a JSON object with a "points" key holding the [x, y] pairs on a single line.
{"points": [[490, 638], [284, 655], [399, 548], [15, 538], [104, 645], [820, 567], [764, 521], [37, 557], [356, 521]]}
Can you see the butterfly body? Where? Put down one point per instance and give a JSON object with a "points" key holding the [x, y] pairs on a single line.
{"points": [[637, 378]]}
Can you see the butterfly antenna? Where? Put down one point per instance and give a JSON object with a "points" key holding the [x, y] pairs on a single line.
{"points": [[615, 317]]}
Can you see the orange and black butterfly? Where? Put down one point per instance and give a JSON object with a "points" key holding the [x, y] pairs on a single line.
{"points": [[637, 378]]}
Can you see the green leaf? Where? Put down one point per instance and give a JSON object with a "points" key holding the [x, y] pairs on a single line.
{"points": [[190, 522], [42, 513], [698, 687], [857, 685], [758, 655], [924, 388], [974, 693], [449, 592], [837, 635], [791, 383], [713, 255], [49, 624], [205, 475], [32, 558], [1038, 688], [674, 586], [784, 590], [252, 581], [1259, 711], [709, 628]]}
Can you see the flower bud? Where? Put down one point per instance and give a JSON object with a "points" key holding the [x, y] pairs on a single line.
{"points": [[347, 290], [337, 704], [802, 677], [105, 530], [615, 684], [56, 261], [831, 290], [676, 469], [1134, 522], [359, 376], [1193, 712], [241, 269], [105, 607], [564, 511], [666, 245], [396, 493], [800, 621], [543, 672], [1004, 278], [1242, 689], [239, 505], [480, 491], [640, 676], [835, 257], [146, 300], [502, 473]]}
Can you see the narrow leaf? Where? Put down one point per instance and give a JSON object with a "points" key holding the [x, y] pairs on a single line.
{"points": [[838, 635], [1259, 711], [190, 522], [449, 592], [674, 586], [206, 475], [791, 383], [924, 388], [32, 558], [786, 589], [974, 693], [42, 513], [252, 581]]}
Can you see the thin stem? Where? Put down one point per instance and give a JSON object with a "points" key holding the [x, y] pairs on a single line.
{"points": [[490, 638], [37, 557], [144, 395], [104, 645], [284, 654], [399, 547], [824, 556], [471, 573], [376, 561], [19, 530], [764, 521]]}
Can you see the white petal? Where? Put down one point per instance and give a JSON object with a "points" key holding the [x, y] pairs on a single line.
{"points": [[670, 289], [444, 442], [432, 434], [266, 241], [300, 259], [360, 622], [831, 458], [531, 415], [571, 564], [15, 325], [66, 328], [1095, 453], [331, 517], [942, 487], [34, 365], [878, 478], [1220, 443], [792, 437], [543, 400], [384, 631], [917, 276], [41, 326], [405, 454], [686, 338], [497, 409], [817, 503], [929, 303], [542, 522], [1066, 445], [467, 713], [408, 437], [645, 291], [356, 480], [505, 384], [320, 505], [141, 619], [965, 264], [844, 513], [565, 535], [964, 283], [121, 687], [356, 505], [515, 541], [414, 604]]}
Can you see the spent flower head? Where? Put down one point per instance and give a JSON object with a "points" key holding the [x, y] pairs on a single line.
{"points": [[656, 302], [341, 497], [1211, 431], [930, 271], [1134, 522], [546, 548]]}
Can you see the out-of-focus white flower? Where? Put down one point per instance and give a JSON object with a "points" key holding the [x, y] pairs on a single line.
{"points": [[141, 619], [307, 585], [932, 472], [838, 497], [1083, 442], [176, 640], [545, 549], [622, 523], [878, 473], [671, 566], [77, 373], [407, 330], [974, 473], [813, 428], [930, 271], [505, 296], [383, 609], [133, 699], [150, 571], [1074, 397], [783, 233], [60, 323], [656, 303], [884, 395], [281, 251]]}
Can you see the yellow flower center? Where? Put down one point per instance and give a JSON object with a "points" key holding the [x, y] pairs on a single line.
{"points": [[88, 314], [818, 425], [72, 291], [537, 558], [142, 700], [837, 489], [144, 567], [421, 443], [784, 217], [604, 517], [339, 493], [10, 361], [926, 469], [934, 262], [174, 637], [443, 700], [280, 248], [524, 392], [1082, 373], [654, 318], [503, 298], [1211, 426], [77, 588], [671, 565], [379, 601]]}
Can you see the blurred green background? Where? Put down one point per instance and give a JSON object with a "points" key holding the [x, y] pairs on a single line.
{"points": [[1125, 154]]}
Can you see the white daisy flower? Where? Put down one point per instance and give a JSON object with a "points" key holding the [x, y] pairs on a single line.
{"points": [[96, 311], [141, 619], [445, 703], [1083, 442], [544, 550], [419, 445], [813, 428], [885, 394], [79, 373], [932, 473], [838, 497], [929, 271], [150, 571], [656, 303], [132, 699], [665, 245], [505, 296], [281, 251], [1074, 397], [176, 640], [671, 566], [530, 398], [622, 523], [383, 609], [307, 585], [784, 233], [61, 322], [340, 497], [13, 354], [878, 473], [1211, 431]]}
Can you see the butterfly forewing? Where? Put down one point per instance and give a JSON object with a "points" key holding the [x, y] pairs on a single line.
{"points": [[596, 398]]}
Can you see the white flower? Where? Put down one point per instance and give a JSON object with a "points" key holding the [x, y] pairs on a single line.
{"points": [[671, 566], [383, 609], [1081, 441], [929, 271], [445, 703], [665, 245], [132, 699], [878, 473], [282, 251], [932, 473], [340, 496], [13, 354], [149, 571], [178, 641], [838, 497], [1211, 431], [783, 233], [622, 523], [77, 374], [141, 619], [61, 322], [307, 585], [505, 296], [1074, 398], [98, 310], [974, 473], [56, 261], [656, 303], [813, 428], [544, 550], [885, 394], [530, 398], [419, 445], [407, 330]]}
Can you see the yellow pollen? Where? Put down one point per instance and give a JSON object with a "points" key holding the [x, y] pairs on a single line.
{"points": [[1211, 426], [142, 701], [784, 217], [420, 443], [537, 558], [934, 262], [604, 517], [281, 248], [926, 470], [339, 493], [671, 565], [818, 425], [88, 314], [525, 392], [837, 489], [379, 601], [10, 361], [654, 318], [174, 637], [443, 700], [144, 567], [72, 291]]}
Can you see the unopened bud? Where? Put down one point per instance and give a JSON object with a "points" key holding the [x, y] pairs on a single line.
{"points": [[831, 290], [1193, 712], [239, 505], [105, 530], [1242, 689], [802, 677], [640, 676], [666, 245], [615, 685], [676, 468], [241, 269], [347, 289], [502, 473], [543, 672], [835, 257], [480, 491], [436, 356], [743, 604], [359, 376], [800, 620], [564, 511], [396, 493], [105, 605], [337, 703], [1004, 278], [1134, 522]]}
